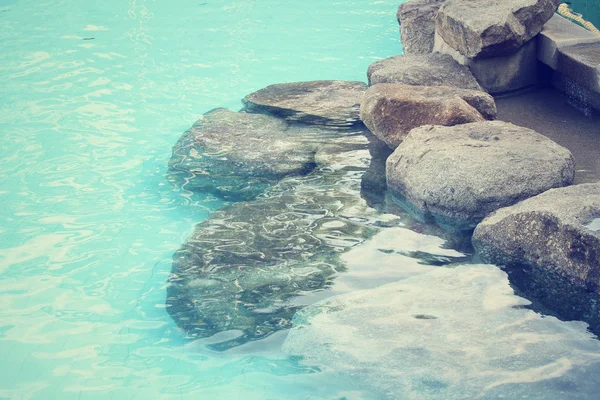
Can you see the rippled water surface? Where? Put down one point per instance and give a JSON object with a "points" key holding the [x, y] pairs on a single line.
{"points": [[92, 97]]}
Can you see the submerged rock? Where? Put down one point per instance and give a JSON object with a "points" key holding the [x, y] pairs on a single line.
{"points": [[557, 233], [391, 111], [422, 70], [331, 103], [492, 28], [417, 25], [467, 171], [238, 155], [242, 266], [451, 333]]}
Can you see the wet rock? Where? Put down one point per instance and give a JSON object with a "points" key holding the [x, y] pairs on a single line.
{"points": [[557, 232], [491, 28], [391, 111], [467, 171], [243, 266], [422, 70], [454, 333], [330, 103], [417, 25], [225, 152]]}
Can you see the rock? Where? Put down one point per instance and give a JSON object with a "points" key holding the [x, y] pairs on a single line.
{"points": [[467, 171], [451, 333], [243, 266], [557, 232], [331, 103], [417, 25], [391, 111], [492, 28], [499, 75], [422, 70], [225, 152]]}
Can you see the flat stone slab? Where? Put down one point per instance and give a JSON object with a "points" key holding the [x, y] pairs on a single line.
{"points": [[492, 28], [581, 64], [556, 232], [451, 333], [422, 70], [237, 155], [559, 33], [465, 172], [417, 25], [332, 103], [238, 273], [391, 111]]}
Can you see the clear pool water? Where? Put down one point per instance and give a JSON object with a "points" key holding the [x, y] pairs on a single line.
{"points": [[92, 97]]}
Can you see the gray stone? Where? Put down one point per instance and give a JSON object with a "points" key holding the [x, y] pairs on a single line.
{"points": [[467, 171], [499, 75], [225, 152], [417, 25], [450, 333], [556, 232], [331, 103], [422, 70], [391, 111], [492, 28], [558, 33], [243, 266]]}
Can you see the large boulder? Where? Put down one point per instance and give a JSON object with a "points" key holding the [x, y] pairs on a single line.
{"points": [[243, 266], [391, 111], [417, 25], [422, 70], [451, 333], [332, 103], [467, 171], [492, 28], [557, 232], [225, 152]]}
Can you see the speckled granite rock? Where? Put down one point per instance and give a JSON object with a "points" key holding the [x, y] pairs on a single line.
{"points": [[492, 28], [417, 25], [390, 111], [331, 103], [467, 171], [422, 70], [557, 231], [226, 152]]}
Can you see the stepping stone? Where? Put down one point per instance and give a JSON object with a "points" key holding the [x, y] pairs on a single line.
{"points": [[238, 155], [422, 70], [465, 172], [557, 232], [417, 25], [391, 111], [330, 103], [451, 333], [492, 28], [241, 268]]}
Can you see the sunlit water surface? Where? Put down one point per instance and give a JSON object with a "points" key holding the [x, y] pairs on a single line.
{"points": [[92, 97]]}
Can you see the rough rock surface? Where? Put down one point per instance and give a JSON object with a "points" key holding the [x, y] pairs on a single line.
{"points": [[467, 171], [557, 231], [417, 25], [422, 70], [225, 152], [492, 28], [451, 333], [332, 103], [391, 111], [242, 266]]}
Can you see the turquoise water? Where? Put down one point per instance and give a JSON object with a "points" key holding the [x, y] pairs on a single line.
{"points": [[92, 97]]}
